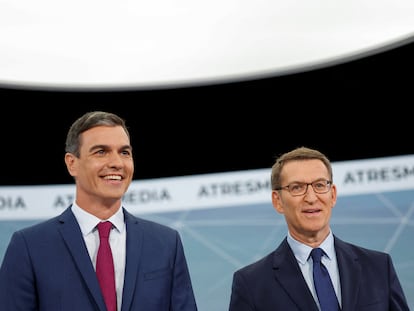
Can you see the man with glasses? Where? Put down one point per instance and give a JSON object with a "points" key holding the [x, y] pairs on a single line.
{"points": [[359, 278]]}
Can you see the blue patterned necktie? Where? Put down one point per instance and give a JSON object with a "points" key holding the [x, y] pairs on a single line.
{"points": [[323, 284]]}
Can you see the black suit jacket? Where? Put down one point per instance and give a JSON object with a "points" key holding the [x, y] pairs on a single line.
{"points": [[368, 282]]}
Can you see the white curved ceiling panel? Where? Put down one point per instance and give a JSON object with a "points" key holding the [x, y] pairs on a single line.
{"points": [[95, 44]]}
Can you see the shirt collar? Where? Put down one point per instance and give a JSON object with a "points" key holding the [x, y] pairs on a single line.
{"points": [[87, 222], [302, 251]]}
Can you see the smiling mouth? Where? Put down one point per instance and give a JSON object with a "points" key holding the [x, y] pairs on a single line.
{"points": [[113, 177]]}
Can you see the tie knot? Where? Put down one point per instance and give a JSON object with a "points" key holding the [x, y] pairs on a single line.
{"points": [[316, 254], [104, 228]]}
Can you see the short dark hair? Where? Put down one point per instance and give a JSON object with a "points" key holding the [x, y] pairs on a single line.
{"points": [[87, 121]]}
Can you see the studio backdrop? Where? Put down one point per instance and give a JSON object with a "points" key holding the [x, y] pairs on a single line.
{"points": [[227, 220]]}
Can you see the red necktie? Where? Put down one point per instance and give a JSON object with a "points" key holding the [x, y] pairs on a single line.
{"points": [[105, 266]]}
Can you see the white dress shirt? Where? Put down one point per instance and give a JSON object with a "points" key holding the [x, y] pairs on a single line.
{"points": [[117, 240], [302, 254]]}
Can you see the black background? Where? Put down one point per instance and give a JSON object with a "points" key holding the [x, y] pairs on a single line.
{"points": [[355, 110]]}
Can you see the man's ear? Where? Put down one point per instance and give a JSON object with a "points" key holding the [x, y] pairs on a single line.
{"points": [[70, 161], [277, 201]]}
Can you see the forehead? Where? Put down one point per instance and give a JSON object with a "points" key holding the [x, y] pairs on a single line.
{"points": [[304, 170], [105, 135]]}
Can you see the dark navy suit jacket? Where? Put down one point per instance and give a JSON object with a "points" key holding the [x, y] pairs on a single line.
{"points": [[47, 267], [368, 282]]}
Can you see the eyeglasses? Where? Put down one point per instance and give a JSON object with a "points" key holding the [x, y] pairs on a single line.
{"points": [[300, 188]]}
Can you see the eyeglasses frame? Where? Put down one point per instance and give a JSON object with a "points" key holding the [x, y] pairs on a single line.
{"points": [[328, 184]]}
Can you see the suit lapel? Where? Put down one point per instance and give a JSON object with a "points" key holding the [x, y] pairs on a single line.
{"points": [[287, 273], [134, 242], [72, 236], [349, 273]]}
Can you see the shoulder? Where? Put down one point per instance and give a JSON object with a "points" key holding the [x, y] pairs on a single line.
{"points": [[281, 254], [253, 269], [359, 252], [39, 226], [147, 225]]}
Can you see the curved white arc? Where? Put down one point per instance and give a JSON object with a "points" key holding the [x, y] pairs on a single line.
{"points": [[94, 44]]}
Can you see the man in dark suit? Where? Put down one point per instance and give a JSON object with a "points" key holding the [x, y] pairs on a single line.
{"points": [[51, 266], [362, 279]]}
